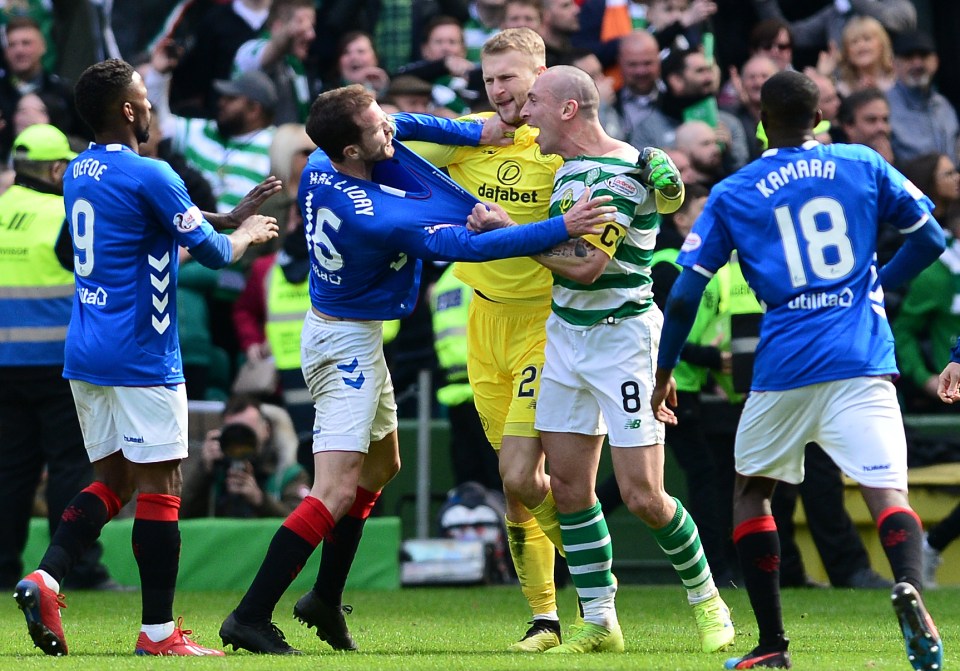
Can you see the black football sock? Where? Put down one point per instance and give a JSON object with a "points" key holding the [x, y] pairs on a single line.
{"points": [[292, 545], [156, 547], [901, 535], [340, 549], [79, 528], [758, 547]]}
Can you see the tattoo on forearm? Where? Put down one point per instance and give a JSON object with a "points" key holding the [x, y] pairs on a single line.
{"points": [[579, 248]]}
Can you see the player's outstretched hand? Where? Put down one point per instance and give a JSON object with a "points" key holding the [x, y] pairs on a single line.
{"points": [[488, 217], [496, 133], [664, 395], [260, 228], [588, 215], [947, 389], [658, 172], [257, 196]]}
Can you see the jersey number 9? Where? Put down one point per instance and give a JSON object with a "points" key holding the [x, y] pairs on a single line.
{"points": [[81, 228]]}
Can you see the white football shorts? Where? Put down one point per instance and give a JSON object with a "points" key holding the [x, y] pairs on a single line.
{"points": [[347, 375], [598, 380], [148, 424], [856, 421]]}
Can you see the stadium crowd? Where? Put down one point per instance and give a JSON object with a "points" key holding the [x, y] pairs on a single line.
{"points": [[231, 83]]}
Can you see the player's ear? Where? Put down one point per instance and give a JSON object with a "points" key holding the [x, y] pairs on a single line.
{"points": [[351, 151]]}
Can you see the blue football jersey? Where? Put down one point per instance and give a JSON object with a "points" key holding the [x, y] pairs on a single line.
{"points": [[804, 222], [128, 216], [366, 239]]}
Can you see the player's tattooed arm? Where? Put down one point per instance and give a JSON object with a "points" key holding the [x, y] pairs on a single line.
{"points": [[577, 260], [576, 248]]}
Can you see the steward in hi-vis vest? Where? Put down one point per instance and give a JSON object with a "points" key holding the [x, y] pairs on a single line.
{"points": [[38, 420]]}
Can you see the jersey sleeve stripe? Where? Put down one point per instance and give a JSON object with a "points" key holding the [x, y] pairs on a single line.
{"points": [[923, 220], [703, 271]]}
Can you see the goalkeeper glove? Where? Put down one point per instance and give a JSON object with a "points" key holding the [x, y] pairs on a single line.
{"points": [[658, 172]]}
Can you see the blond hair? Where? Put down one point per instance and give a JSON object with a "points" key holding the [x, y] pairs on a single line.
{"points": [[864, 25], [524, 40]]}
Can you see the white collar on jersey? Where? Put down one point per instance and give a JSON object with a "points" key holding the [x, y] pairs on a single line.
{"points": [[809, 144]]}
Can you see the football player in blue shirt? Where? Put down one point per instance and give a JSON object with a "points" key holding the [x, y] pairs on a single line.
{"points": [[128, 217], [372, 210], [803, 219]]}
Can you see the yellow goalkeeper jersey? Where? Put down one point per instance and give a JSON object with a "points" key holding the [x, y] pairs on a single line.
{"points": [[518, 178]]}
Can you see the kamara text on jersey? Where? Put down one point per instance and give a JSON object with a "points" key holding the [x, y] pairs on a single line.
{"points": [[794, 170]]}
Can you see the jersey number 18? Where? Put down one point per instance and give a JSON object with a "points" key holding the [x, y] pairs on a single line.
{"points": [[829, 251]]}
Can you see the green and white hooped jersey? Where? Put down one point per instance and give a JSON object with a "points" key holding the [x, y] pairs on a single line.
{"points": [[625, 287]]}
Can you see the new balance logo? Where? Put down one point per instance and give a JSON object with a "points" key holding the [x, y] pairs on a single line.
{"points": [[633, 424]]}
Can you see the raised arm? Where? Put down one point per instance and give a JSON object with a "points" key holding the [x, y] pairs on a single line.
{"points": [[429, 128]]}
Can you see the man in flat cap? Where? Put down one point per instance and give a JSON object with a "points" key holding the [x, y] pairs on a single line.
{"points": [[922, 121]]}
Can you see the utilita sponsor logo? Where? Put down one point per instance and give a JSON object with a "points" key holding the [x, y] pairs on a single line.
{"points": [[92, 297], [844, 299]]}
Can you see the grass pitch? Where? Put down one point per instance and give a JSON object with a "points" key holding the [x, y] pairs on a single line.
{"points": [[466, 629]]}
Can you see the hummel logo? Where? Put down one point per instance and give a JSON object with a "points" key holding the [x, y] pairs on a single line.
{"points": [[356, 384], [349, 367]]}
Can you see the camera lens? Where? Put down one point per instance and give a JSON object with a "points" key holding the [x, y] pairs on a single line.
{"points": [[238, 441]]}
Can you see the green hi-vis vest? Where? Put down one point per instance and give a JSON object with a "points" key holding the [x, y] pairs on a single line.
{"points": [[390, 330], [733, 297], [287, 305], [449, 305], [36, 293], [688, 377]]}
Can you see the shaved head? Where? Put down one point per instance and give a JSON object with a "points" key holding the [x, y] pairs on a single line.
{"points": [[566, 82], [639, 39]]}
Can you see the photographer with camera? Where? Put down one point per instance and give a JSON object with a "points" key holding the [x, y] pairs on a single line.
{"points": [[247, 467]]}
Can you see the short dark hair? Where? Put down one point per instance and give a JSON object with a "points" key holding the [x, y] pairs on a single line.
{"points": [[922, 172], [693, 191], [282, 10], [536, 4], [100, 88], [853, 102], [240, 402], [675, 63], [764, 34], [332, 124], [21, 22], [352, 36], [789, 99], [436, 22]]}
